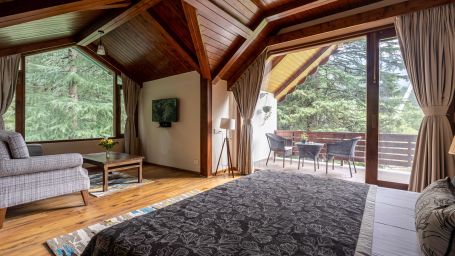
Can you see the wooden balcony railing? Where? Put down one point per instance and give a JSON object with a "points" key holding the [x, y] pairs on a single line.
{"points": [[394, 149]]}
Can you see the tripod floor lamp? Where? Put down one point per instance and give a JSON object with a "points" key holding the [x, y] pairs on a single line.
{"points": [[226, 124]]}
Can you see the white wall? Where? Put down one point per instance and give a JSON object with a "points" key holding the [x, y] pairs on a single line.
{"points": [[220, 109], [179, 145], [260, 128]]}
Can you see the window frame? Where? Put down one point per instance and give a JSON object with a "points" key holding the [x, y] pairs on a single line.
{"points": [[20, 97]]}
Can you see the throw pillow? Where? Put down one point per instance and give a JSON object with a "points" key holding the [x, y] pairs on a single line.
{"points": [[16, 144], [4, 151], [435, 218]]}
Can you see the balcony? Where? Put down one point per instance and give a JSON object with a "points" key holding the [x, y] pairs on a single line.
{"points": [[396, 152]]}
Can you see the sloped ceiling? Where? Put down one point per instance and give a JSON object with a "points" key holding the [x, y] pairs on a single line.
{"points": [[152, 39]]}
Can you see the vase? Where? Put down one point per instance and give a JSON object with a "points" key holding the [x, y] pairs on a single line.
{"points": [[108, 153]]}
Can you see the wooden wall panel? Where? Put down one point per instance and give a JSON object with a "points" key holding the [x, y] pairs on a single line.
{"points": [[144, 51], [60, 26]]}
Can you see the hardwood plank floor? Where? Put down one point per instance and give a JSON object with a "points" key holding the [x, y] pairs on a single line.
{"points": [[28, 226]]}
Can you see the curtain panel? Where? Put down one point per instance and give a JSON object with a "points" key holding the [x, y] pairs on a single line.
{"points": [[9, 70], [427, 43], [246, 92], [131, 92]]}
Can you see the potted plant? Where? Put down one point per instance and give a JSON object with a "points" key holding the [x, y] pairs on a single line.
{"points": [[304, 137], [107, 144]]}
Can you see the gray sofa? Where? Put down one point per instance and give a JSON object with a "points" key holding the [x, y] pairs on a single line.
{"points": [[26, 175]]}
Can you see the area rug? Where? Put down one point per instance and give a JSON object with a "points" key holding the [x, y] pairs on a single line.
{"points": [[118, 181], [74, 243]]}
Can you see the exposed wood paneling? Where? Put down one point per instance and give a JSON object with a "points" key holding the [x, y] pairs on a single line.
{"points": [[144, 51], [40, 46], [243, 10], [91, 34], [171, 16], [224, 19], [13, 13], [65, 25], [173, 43], [193, 25]]}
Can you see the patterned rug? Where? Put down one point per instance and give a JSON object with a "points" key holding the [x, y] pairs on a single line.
{"points": [[74, 243], [118, 181]]}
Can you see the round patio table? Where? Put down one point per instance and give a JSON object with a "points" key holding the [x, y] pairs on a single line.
{"points": [[309, 150]]}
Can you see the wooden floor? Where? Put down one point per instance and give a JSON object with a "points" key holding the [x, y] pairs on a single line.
{"points": [[27, 227]]}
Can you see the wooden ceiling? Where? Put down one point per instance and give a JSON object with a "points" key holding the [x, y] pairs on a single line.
{"points": [[152, 39]]}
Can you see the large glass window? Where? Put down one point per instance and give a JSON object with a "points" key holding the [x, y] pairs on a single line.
{"points": [[399, 115], [68, 96], [10, 116]]}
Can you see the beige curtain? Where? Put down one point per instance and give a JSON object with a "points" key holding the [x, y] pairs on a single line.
{"points": [[246, 92], [131, 92], [427, 41], [9, 70]]}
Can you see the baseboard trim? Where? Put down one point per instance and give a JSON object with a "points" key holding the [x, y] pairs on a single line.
{"points": [[171, 167]]}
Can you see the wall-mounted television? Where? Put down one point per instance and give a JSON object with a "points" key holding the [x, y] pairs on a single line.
{"points": [[165, 111]]}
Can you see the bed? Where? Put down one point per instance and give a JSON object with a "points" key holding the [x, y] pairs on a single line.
{"points": [[272, 213]]}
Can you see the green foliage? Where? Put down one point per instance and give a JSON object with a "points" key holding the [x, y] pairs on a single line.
{"points": [[334, 98], [68, 96]]}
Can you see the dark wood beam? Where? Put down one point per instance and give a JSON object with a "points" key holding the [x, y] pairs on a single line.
{"points": [[90, 34], [357, 19], [260, 34], [304, 66], [276, 60], [199, 46], [221, 17], [296, 7], [206, 127], [13, 13], [122, 4], [173, 42], [36, 47], [108, 61]]}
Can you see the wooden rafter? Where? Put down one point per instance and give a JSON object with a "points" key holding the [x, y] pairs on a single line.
{"points": [[171, 40], [281, 13], [35, 47], [91, 34], [261, 32], [122, 4], [222, 17], [201, 53], [304, 66], [365, 17], [276, 60], [34, 10]]}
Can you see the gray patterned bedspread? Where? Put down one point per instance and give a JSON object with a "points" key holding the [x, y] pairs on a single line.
{"points": [[266, 213]]}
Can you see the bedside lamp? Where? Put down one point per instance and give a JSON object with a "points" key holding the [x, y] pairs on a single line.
{"points": [[226, 124]]}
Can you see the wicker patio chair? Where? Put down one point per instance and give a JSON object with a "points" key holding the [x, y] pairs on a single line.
{"points": [[277, 144], [344, 149]]}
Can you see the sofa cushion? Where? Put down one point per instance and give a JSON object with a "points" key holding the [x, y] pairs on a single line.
{"points": [[4, 151], [39, 164], [16, 144], [435, 218]]}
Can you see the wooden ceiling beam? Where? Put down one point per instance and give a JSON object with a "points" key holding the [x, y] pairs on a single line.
{"points": [[221, 17], [201, 53], [171, 40], [285, 11], [91, 34], [357, 19], [12, 13], [304, 66], [36, 47], [262, 31], [122, 4]]}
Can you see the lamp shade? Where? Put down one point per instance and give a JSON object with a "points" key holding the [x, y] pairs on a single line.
{"points": [[101, 50], [452, 147], [227, 123]]}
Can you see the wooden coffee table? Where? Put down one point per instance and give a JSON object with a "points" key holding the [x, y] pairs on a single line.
{"points": [[115, 162]]}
